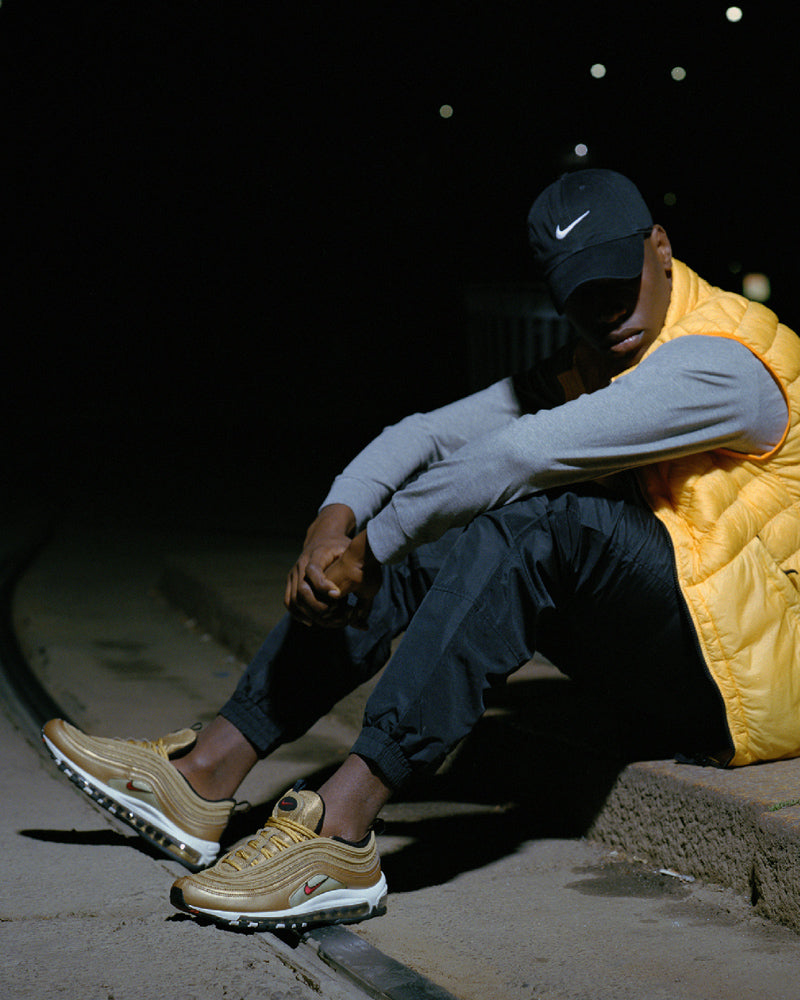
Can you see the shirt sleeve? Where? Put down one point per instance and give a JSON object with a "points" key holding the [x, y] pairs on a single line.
{"points": [[405, 449], [695, 393]]}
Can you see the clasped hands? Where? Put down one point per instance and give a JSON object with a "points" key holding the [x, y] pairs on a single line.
{"points": [[336, 577]]}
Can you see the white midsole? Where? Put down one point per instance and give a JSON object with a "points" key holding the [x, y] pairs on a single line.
{"points": [[332, 900], [206, 849]]}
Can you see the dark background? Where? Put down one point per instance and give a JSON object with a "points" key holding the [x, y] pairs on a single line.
{"points": [[238, 235]]}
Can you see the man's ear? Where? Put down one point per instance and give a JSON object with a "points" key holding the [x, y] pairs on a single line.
{"points": [[663, 248]]}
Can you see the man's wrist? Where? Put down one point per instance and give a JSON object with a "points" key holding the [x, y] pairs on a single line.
{"points": [[337, 518], [361, 553]]}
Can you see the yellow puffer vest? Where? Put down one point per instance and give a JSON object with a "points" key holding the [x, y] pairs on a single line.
{"points": [[734, 521]]}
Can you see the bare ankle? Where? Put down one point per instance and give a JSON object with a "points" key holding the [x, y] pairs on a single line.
{"points": [[218, 762], [353, 797]]}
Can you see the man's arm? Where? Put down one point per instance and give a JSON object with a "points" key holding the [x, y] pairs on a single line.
{"points": [[393, 458], [693, 394], [407, 448]]}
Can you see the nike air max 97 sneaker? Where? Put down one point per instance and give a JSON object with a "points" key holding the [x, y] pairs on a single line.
{"points": [[288, 875], [134, 781]]}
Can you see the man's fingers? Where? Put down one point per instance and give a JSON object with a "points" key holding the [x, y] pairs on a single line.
{"points": [[312, 598], [293, 580], [320, 583], [309, 598]]}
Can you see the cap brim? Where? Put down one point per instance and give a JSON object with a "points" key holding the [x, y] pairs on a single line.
{"points": [[619, 259]]}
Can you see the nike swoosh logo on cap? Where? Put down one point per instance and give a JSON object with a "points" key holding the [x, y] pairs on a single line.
{"points": [[561, 233]]}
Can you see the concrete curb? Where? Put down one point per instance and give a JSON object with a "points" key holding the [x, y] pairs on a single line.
{"points": [[738, 828], [234, 629]]}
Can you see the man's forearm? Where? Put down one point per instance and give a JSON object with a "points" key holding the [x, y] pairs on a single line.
{"points": [[334, 519]]}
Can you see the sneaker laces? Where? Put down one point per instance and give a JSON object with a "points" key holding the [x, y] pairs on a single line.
{"points": [[168, 746], [156, 746], [279, 834]]}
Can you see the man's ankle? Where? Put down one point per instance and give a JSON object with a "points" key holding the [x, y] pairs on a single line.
{"points": [[353, 797], [218, 762]]}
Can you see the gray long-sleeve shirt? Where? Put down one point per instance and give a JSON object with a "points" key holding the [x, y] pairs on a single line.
{"points": [[433, 471]]}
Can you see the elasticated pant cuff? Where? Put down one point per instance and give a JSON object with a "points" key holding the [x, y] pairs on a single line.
{"points": [[379, 749]]}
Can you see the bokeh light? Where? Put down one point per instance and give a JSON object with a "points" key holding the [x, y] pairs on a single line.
{"points": [[756, 287]]}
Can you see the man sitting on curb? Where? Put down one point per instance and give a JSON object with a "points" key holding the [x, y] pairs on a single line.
{"points": [[629, 508]]}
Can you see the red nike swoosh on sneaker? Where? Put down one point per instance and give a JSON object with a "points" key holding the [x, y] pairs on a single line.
{"points": [[133, 787], [310, 886]]}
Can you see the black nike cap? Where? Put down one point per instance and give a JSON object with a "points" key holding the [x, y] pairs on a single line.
{"points": [[586, 226]]}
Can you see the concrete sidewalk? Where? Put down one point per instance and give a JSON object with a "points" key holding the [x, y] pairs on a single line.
{"points": [[96, 617]]}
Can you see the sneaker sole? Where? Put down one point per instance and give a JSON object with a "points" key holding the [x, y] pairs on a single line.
{"points": [[191, 852], [343, 906]]}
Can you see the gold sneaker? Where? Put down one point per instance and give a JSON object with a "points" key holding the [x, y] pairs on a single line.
{"points": [[134, 780], [289, 876]]}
